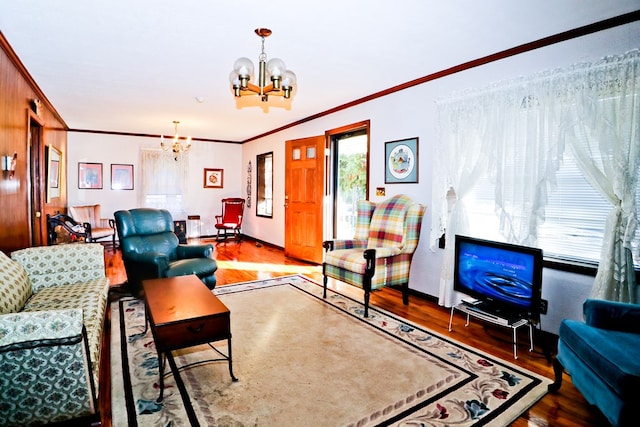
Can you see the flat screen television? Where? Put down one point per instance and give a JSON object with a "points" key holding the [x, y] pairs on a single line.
{"points": [[505, 279]]}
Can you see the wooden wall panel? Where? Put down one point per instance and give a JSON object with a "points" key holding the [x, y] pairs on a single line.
{"points": [[17, 90]]}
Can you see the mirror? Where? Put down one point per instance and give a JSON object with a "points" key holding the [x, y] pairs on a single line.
{"points": [[264, 172], [53, 160]]}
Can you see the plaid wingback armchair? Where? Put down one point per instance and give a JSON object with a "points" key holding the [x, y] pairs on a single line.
{"points": [[381, 251]]}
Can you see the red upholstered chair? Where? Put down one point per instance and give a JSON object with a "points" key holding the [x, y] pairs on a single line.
{"points": [[229, 223]]}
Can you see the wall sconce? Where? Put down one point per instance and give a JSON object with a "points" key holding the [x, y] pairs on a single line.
{"points": [[9, 164]]}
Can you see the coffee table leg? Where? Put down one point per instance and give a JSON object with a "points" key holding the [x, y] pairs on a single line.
{"points": [[161, 360], [233, 378]]}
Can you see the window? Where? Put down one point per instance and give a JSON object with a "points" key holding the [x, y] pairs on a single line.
{"points": [[575, 217], [163, 181], [264, 205]]}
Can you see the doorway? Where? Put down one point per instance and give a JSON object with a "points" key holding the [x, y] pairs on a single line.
{"points": [[348, 177], [37, 230], [325, 176]]}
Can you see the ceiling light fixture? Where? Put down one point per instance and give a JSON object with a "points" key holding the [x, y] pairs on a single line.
{"points": [[281, 80], [177, 146]]}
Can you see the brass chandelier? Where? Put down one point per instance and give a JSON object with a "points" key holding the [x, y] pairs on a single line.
{"points": [[273, 76], [177, 145]]}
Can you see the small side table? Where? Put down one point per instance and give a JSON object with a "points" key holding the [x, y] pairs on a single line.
{"points": [[472, 311]]}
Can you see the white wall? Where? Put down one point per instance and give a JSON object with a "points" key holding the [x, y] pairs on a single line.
{"points": [[108, 149], [411, 113]]}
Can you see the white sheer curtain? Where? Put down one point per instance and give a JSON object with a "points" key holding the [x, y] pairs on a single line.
{"points": [[508, 133], [163, 181], [462, 160], [605, 139], [514, 134]]}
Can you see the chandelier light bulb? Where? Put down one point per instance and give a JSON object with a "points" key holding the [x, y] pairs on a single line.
{"points": [[244, 67], [275, 67], [289, 79]]}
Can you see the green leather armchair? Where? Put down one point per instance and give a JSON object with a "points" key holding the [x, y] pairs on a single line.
{"points": [[151, 250]]}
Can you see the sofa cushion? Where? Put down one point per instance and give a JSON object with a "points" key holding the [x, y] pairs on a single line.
{"points": [[607, 353], [15, 287], [90, 296], [61, 264], [387, 222]]}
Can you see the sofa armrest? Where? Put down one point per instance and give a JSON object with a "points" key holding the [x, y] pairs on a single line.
{"points": [[36, 328], [194, 251], [386, 252], [46, 367], [107, 223], [155, 260], [617, 316]]}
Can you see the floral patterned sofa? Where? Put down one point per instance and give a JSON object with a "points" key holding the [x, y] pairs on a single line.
{"points": [[52, 307]]}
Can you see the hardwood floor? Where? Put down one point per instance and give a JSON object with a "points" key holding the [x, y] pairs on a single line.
{"points": [[249, 260]]}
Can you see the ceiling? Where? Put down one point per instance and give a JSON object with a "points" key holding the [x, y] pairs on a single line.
{"points": [[135, 66]]}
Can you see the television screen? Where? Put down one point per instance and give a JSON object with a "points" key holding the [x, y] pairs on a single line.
{"points": [[506, 278]]}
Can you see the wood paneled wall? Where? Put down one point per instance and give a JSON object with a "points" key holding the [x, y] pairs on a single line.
{"points": [[20, 226]]}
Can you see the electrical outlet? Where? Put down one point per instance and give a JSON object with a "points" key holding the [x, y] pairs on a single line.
{"points": [[544, 306]]}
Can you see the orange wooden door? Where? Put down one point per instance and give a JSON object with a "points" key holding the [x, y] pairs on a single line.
{"points": [[304, 190]]}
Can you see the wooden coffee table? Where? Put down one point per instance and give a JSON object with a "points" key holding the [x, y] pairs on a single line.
{"points": [[183, 312]]}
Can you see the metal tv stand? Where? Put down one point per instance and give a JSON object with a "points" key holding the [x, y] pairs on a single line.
{"points": [[471, 310]]}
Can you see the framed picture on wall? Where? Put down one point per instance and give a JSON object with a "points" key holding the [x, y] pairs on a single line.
{"points": [[121, 177], [90, 175], [213, 178], [53, 156], [401, 161]]}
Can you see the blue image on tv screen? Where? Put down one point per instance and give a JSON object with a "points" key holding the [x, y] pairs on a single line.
{"points": [[499, 274]]}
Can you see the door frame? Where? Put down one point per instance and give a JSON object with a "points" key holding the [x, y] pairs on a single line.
{"points": [[37, 180]]}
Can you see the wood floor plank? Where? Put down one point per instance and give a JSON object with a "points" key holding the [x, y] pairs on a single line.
{"points": [[250, 260]]}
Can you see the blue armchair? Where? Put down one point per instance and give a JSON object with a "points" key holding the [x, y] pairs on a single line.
{"points": [[602, 356], [151, 250]]}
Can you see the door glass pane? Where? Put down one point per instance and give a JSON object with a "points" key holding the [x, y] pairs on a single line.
{"points": [[296, 154], [351, 179], [311, 152]]}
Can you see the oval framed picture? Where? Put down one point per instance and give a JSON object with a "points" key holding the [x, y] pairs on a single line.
{"points": [[401, 158]]}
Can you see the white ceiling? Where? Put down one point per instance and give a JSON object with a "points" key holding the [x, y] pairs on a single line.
{"points": [[135, 66]]}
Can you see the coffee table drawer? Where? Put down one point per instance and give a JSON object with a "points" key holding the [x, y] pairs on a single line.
{"points": [[192, 332]]}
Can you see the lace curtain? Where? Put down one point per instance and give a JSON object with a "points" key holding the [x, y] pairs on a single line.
{"points": [[163, 181], [605, 139], [514, 133]]}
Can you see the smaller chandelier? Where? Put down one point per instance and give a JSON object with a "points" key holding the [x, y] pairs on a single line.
{"points": [[281, 80], [177, 146]]}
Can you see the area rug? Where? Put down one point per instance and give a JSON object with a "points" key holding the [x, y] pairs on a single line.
{"points": [[303, 360]]}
